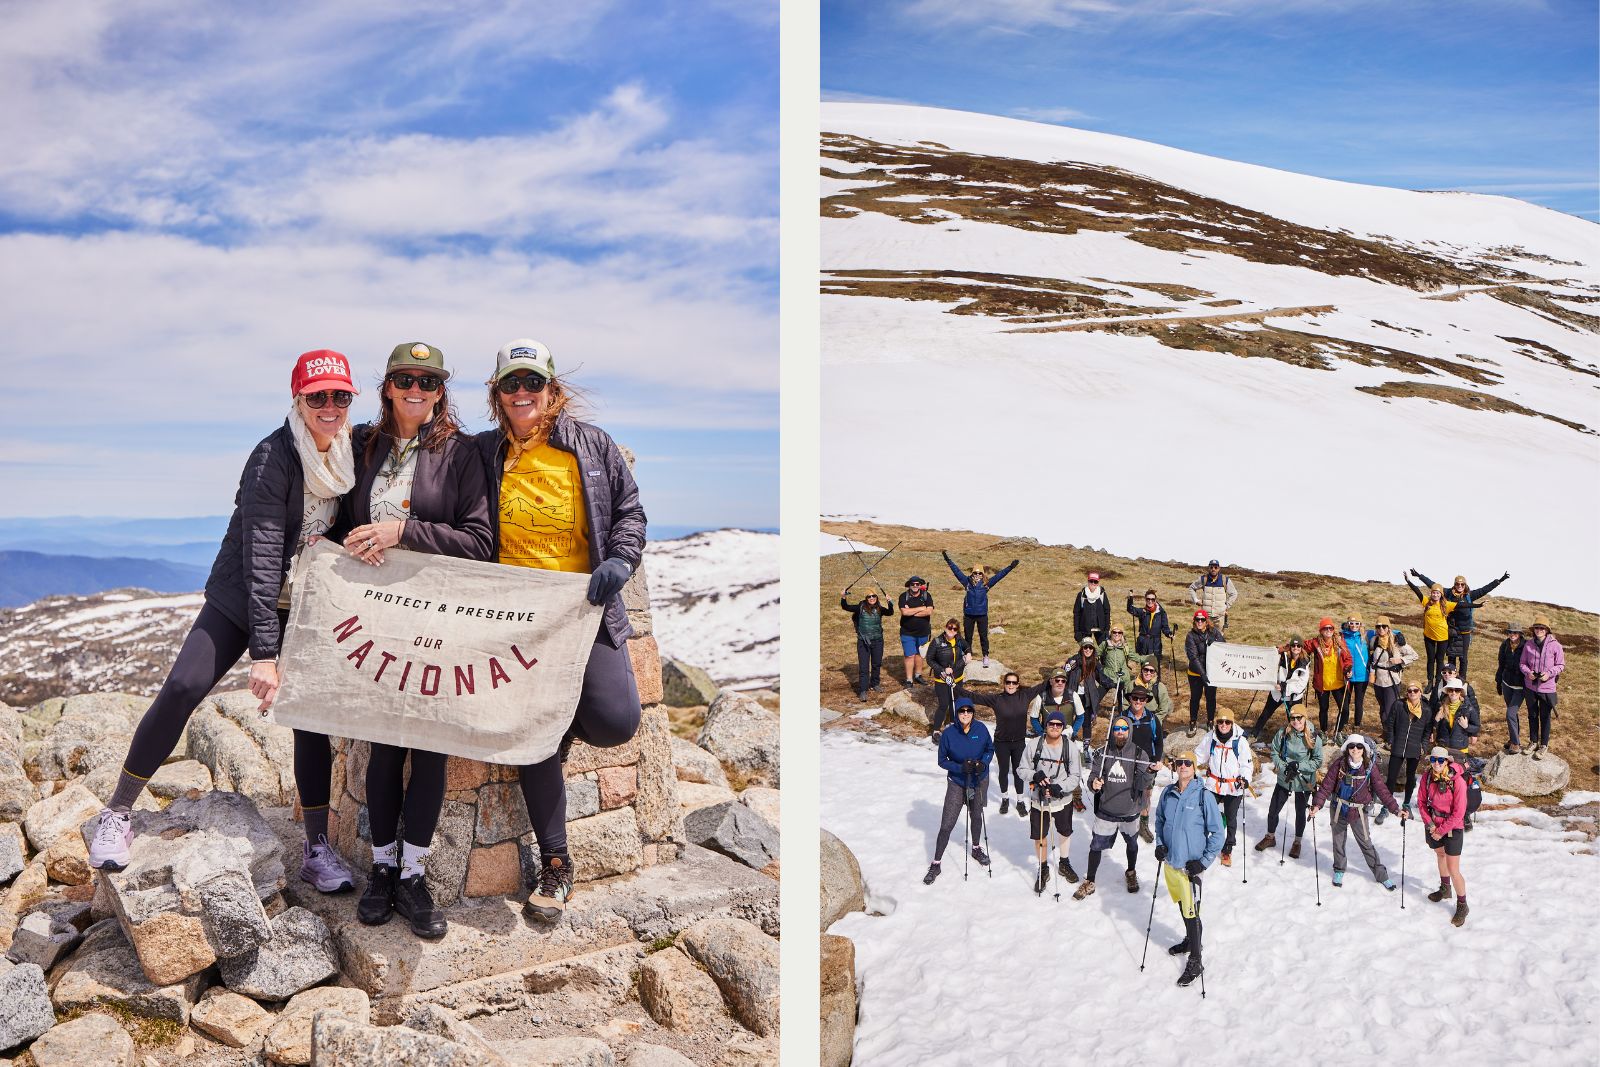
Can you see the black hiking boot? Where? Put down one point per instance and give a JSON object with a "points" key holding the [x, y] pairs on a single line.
{"points": [[1444, 892], [1383, 813], [377, 902], [933, 872], [1005, 805], [1022, 807], [1065, 867], [1181, 948], [550, 896], [1132, 879], [413, 902], [980, 855], [1191, 971], [1043, 880]]}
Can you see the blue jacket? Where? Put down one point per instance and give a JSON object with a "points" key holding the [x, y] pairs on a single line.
{"points": [[955, 748], [976, 602], [1357, 643], [1189, 824]]}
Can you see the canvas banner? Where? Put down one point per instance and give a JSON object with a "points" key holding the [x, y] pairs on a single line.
{"points": [[435, 653], [1230, 666]]}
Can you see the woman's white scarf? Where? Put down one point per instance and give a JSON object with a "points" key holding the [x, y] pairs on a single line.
{"points": [[328, 474]]}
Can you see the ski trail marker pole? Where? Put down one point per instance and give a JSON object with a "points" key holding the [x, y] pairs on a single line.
{"points": [[1150, 921]]}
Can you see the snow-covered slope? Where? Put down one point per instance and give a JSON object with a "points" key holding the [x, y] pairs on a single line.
{"points": [[713, 598], [1293, 363], [984, 971]]}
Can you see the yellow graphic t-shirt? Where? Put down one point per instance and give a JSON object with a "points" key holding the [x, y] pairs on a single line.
{"points": [[542, 521]]}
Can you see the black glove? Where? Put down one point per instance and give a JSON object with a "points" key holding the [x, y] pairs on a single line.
{"points": [[608, 579], [1504, 576], [972, 766], [945, 554], [1056, 792], [1161, 853], [1017, 561], [1195, 868], [1291, 772], [1038, 777]]}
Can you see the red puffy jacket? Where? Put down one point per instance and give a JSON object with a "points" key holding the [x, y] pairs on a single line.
{"points": [[1317, 654]]}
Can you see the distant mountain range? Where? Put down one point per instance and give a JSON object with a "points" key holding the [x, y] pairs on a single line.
{"points": [[27, 576]]}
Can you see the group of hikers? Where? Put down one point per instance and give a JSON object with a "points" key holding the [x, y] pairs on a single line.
{"points": [[413, 480], [1045, 756]]}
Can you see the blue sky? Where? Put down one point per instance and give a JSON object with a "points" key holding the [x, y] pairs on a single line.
{"points": [[194, 193], [1495, 96]]}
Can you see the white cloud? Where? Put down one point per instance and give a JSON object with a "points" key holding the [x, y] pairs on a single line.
{"points": [[1049, 114], [1015, 15]]}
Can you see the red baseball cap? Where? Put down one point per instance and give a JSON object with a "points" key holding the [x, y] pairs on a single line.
{"points": [[1201, 614], [1094, 576], [321, 369]]}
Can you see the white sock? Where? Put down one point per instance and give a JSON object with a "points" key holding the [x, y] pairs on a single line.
{"points": [[386, 854], [411, 859]]}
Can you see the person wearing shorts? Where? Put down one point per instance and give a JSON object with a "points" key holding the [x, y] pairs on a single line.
{"points": [[1054, 767], [916, 626], [1442, 803]]}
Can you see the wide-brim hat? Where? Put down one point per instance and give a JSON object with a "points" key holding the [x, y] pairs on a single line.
{"points": [[915, 580], [1139, 693], [1543, 620], [1382, 620], [1438, 752], [417, 356], [1513, 628]]}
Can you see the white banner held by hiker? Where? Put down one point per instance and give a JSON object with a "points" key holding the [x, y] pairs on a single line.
{"points": [[1230, 666], [436, 653]]}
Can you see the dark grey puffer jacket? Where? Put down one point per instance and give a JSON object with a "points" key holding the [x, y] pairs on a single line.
{"points": [[253, 563], [610, 500]]}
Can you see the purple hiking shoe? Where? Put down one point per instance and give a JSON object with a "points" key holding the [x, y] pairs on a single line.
{"points": [[108, 850], [324, 868]]}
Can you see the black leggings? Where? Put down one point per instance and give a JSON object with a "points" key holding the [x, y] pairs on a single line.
{"points": [[1398, 762], [1197, 685], [869, 663], [1358, 694], [424, 794], [1387, 695], [1008, 763], [945, 713], [1456, 652], [1280, 796], [1323, 699], [607, 716], [1435, 658], [982, 623], [213, 646], [953, 794], [1230, 818], [1132, 853], [1266, 713]]}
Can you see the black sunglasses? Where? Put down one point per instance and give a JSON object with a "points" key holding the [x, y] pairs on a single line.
{"points": [[533, 383], [428, 383], [1183, 763], [341, 398]]}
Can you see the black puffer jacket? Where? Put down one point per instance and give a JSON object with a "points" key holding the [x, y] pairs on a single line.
{"points": [[1456, 734], [253, 562], [1153, 626], [610, 500], [1195, 643], [1408, 732], [449, 506]]}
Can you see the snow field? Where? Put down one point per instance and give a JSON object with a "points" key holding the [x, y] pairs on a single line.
{"points": [[983, 971]]}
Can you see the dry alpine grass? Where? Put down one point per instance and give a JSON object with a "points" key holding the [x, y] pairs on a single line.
{"points": [[1033, 606]]}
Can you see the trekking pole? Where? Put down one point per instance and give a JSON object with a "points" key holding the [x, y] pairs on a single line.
{"points": [[1284, 844], [1150, 921], [1316, 865], [1198, 892], [1405, 824], [1244, 836], [1344, 708], [990, 865], [870, 569], [966, 798]]}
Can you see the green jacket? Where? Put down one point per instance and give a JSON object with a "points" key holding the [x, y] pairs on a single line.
{"points": [[1290, 751], [1118, 663]]}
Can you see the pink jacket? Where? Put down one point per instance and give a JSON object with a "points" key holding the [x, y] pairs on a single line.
{"points": [[1548, 659], [1443, 807]]}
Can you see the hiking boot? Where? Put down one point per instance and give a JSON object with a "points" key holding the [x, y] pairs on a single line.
{"points": [[1084, 890], [1132, 879], [919, 680], [1005, 805], [1022, 808], [108, 850], [1338, 878], [862, 696], [1269, 841], [1444, 892], [324, 868], [907, 684], [875, 688], [1191, 971], [1460, 916], [1227, 858], [933, 872], [980, 855], [1180, 949], [986, 659], [413, 902], [1513, 749], [554, 889], [1294, 849], [1538, 752], [1044, 878], [1065, 867], [377, 902], [1383, 813], [1466, 824], [1144, 830]]}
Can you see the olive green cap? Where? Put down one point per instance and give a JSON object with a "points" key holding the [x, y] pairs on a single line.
{"points": [[417, 356]]}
